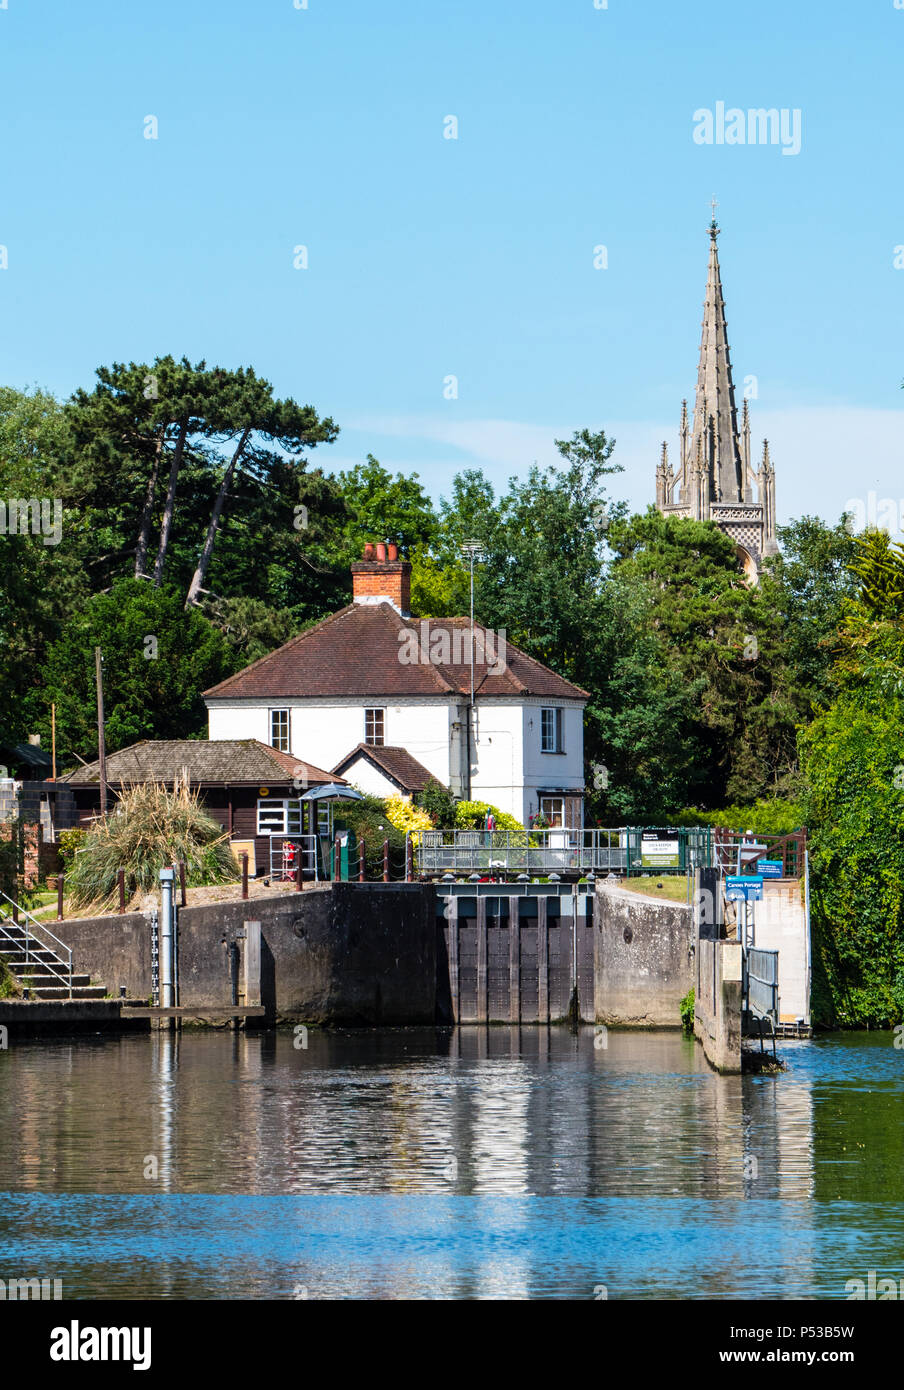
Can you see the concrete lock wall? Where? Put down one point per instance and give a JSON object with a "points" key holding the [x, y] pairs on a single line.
{"points": [[345, 953], [643, 959], [717, 1003]]}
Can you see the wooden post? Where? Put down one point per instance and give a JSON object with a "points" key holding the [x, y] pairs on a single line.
{"points": [[182, 882], [361, 860], [245, 874], [385, 861], [298, 871], [514, 960], [337, 860], [482, 1011], [252, 963], [542, 960], [409, 859], [121, 884], [61, 878], [454, 976], [101, 742]]}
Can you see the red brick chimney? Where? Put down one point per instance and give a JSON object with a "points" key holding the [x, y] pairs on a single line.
{"points": [[383, 580]]}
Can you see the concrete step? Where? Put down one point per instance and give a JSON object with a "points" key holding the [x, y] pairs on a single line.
{"points": [[39, 967], [79, 991], [20, 954]]}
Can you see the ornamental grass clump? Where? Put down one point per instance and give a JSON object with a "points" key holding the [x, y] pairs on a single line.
{"points": [[150, 827]]}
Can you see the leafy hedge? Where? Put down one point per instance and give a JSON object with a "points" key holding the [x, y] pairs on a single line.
{"points": [[853, 760], [764, 817]]}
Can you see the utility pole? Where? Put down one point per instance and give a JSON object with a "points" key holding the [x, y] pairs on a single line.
{"points": [[472, 549], [101, 745]]}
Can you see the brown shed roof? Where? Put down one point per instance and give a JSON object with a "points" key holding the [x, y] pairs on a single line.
{"points": [[360, 651], [228, 760]]}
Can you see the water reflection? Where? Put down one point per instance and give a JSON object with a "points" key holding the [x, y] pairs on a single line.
{"points": [[476, 1162]]}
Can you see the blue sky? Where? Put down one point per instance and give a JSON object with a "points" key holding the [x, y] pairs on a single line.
{"points": [[429, 257]]}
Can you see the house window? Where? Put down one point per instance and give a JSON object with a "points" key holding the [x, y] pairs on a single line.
{"points": [[373, 727], [276, 816], [279, 729], [552, 738], [552, 808]]}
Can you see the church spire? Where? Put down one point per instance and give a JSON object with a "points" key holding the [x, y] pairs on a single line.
{"points": [[715, 417]]}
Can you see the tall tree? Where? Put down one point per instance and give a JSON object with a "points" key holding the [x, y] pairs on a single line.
{"points": [[241, 409]]}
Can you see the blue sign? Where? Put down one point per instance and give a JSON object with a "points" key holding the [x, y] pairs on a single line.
{"points": [[743, 888], [770, 868]]}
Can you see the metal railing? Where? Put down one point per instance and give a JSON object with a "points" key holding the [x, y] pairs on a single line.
{"points": [[625, 850], [761, 984], [23, 936], [284, 866], [734, 852]]}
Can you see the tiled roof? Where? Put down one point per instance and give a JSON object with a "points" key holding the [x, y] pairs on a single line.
{"points": [[357, 651], [228, 760], [397, 763]]}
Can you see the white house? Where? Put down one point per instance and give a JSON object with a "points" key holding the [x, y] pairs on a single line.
{"points": [[372, 676]]}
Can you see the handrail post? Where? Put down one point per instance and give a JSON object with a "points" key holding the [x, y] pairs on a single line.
{"points": [[337, 859], [409, 858], [361, 860], [385, 861], [60, 882]]}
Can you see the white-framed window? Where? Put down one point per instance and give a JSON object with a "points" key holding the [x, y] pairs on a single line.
{"points": [[278, 816], [552, 730], [374, 723], [553, 809], [279, 729], [325, 818]]}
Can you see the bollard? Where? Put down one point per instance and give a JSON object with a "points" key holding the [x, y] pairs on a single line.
{"points": [[385, 861], [245, 875], [182, 882], [121, 884], [60, 881], [361, 861]]}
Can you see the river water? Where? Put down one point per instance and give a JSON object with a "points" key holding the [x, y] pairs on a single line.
{"points": [[467, 1163]]}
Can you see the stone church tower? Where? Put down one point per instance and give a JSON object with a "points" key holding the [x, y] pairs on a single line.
{"points": [[714, 479]]}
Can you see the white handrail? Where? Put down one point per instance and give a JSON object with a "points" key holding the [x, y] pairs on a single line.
{"points": [[33, 921]]}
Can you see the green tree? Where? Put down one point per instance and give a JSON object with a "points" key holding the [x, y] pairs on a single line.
{"points": [[42, 578], [814, 582], [725, 638], [158, 659]]}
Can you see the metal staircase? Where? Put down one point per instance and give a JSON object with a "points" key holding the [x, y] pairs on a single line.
{"points": [[40, 961]]}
